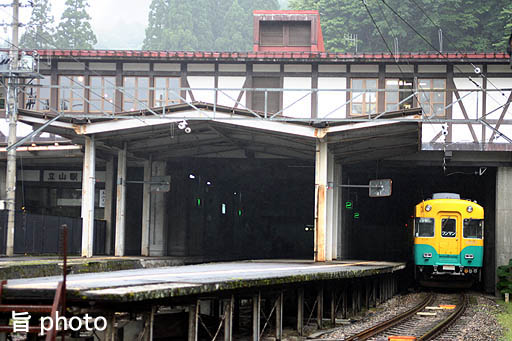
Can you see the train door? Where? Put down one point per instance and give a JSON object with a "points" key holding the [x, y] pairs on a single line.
{"points": [[449, 242]]}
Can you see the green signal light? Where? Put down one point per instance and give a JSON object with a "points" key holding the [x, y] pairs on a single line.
{"points": [[198, 202], [239, 213], [349, 205], [356, 215]]}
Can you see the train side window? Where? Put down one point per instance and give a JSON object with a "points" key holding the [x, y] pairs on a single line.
{"points": [[473, 228], [448, 228], [424, 227]]}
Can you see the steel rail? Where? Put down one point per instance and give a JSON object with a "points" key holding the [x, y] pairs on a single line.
{"points": [[365, 334], [438, 329]]}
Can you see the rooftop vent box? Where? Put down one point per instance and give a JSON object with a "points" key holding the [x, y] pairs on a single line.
{"points": [[446, 196]]}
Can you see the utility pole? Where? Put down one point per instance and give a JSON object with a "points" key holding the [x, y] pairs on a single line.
{"points": [[12, 113]]}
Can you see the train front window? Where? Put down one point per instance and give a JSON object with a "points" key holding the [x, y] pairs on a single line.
{"points": [[473, 228], [424, 227], [448, 228]]}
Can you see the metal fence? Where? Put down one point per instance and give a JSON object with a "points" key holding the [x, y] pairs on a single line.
{"points": [[37, 234]]}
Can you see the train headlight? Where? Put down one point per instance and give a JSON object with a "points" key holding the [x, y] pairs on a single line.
{"points": [[468, 256], [428, 208], [470, 209], [427, 255]]}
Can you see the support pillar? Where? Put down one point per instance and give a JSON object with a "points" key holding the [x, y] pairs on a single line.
{"points": [[88, 183], [146, 208], [333, 307], [121, 202], [503, 232], [110, 333], [158, 215], [337, 228], [108, 215], [193, 315], [320, 307], [228, 321], [256, 317], [149, 320], [279, 317], [300, 311], [323, 203]]}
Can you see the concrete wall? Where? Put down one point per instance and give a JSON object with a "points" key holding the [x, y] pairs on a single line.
{"points": [[503, 215]]}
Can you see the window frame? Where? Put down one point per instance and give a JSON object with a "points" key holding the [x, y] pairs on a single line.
{"points": [[398, 92], [73, 79], [37, 86], [431, 96], [136, 100], [101, 91], [464, 228], [364, 96], [442, 225], [165, 102], [433, 227]]}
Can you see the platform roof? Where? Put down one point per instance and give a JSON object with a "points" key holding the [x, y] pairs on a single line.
{"points": [[234, 133]]}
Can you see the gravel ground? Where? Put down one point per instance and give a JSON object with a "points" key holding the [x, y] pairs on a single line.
{"points": [[385, 311], [479, 322]]}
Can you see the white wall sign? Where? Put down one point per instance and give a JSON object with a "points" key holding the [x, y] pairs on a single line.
{"points": [[62, 176]]}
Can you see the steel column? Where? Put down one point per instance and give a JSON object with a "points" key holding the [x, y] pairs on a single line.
{"points": [[300, 311], [146, 208], [279, 316], [88, 183], [193, 314], [320, 307], [109, 190], [323, 228], [121, 202], [228, 321], [256, 311]]}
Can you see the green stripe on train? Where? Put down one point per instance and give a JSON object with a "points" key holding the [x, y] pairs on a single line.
{"points": [[437, 259]]}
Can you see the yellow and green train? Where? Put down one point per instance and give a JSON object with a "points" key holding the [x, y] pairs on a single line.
{"points": [[448, 238]]}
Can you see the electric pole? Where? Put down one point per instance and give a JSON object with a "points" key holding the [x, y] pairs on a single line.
{"points": [[12, 113]]}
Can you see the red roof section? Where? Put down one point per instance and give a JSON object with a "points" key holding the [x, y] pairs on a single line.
{"points": [[270, 55]]}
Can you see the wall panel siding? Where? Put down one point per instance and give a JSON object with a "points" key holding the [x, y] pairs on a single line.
{"points": [[231, 82], [207, 96], [329, 102], [302, 108]]}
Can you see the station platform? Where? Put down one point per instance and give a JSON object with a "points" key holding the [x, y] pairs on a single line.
{"points": [[140, 285]]}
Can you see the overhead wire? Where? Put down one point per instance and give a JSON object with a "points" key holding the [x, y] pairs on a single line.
{"points": [[392, 54], [442, 55], [457, 51]]}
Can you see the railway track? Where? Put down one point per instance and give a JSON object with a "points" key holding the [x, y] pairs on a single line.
{"points": [[427, 320]]}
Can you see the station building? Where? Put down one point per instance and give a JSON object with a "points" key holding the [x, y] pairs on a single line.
{"points": [[241, 155]]}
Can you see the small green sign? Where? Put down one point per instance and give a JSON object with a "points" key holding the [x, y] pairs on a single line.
{"points": [[356, 215], [348, 205]]}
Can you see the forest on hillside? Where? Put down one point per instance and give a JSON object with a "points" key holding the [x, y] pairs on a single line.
{"points": [[347, 25]]}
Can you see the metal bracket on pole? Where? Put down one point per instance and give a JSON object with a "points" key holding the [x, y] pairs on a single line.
{"points": [[376, 188]]}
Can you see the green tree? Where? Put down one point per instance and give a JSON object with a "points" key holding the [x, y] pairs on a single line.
{"points": [[231, 37], [74, 30], [467, 25], [157, 20], [203, 25], [39, 33], [506, 17]]}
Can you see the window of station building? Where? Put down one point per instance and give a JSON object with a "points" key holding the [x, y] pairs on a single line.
{"points": [[401, 95], [473, 228], [136, 93], [285, 33], [432, 100], [272, 97], [364, 96], [448, 228], [102, 94], [71, 93], [37, 94], [424, 227], [167, 91]]}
